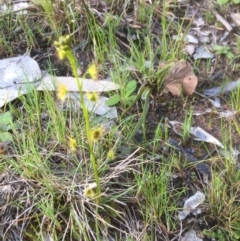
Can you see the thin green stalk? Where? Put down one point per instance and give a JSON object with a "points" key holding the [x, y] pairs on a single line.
{"points": [[64, 51], [144, 114], [87, 122]]}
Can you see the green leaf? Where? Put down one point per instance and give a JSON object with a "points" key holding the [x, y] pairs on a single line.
{"points": [[5, 120], [5, 136], [217, 47], [221, 2], [131, 86], [209, 233], [223, 50], [145, 94], [220, 49], [130, 99], [142, 119], [236, 1], [113, 100], [17, 125], [230, 55]]}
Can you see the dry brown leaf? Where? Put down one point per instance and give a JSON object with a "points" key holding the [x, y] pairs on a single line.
{"points": [[189, 84], [180, 78], [3, 147]]}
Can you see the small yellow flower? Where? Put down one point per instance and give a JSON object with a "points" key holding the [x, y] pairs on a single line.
{"points": [[63, 41], [93, 96], [62, 54], [62, 92], [93, 71], [96, 134], [63, 46], [72, 144], [90, 191], [111, 154]]}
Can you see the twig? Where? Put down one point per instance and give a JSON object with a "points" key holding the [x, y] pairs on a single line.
{"points": [[181, 230], [204, 96], [223, 21]]}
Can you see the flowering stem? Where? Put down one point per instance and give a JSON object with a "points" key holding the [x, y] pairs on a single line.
{"points": [[73, 64], [64, 51]]}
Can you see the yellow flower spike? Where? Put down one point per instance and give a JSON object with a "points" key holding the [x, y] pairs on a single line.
{"points": [[62, 54], [62, 92], [72, 144], [111, 154], [96, 134], [93, 96], [64, 40], [93, 71], [63, 46], [90, 191]]}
